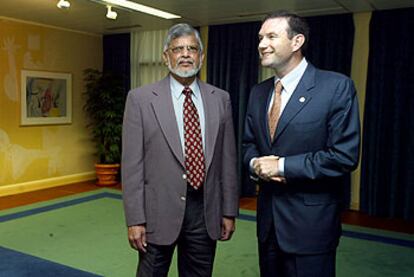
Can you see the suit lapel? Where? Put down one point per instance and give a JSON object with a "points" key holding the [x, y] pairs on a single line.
{"points": [[165, 114], [211, 115], [299, 99]]}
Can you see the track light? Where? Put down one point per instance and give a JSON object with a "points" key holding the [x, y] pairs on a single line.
{"points": [[110, 13], [63, 4], [133, 6]]}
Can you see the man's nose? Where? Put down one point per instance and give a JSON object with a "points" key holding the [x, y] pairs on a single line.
{"points": [[185, 52], [263, 43]]}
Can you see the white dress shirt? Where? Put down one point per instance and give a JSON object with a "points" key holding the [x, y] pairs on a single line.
{"points": [[289, 82], [178, 102]]}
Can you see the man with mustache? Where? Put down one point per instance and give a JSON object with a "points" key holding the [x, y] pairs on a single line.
{"points": [[179, 164]]}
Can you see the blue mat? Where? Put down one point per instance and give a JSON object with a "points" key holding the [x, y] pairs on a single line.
{"points": [[16, 264]]}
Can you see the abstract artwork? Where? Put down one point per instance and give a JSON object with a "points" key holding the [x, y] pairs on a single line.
{"points": [[46, 98]]}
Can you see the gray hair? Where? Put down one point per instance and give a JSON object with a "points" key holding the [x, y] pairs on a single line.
{"points": [[180, 30]]}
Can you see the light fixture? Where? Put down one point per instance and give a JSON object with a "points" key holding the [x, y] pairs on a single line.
{"points": [[138, 7], [63, 4], [110, 13]]}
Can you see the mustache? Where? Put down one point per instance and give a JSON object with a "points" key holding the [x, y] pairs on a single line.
{"points": [[186, 60]]}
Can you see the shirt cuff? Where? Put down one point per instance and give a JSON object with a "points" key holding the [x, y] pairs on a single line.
{"points": [[251, 165], [281, 166]]}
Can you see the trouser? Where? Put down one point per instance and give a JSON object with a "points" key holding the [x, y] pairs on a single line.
{"points": [[195, 248], [274, 262]]}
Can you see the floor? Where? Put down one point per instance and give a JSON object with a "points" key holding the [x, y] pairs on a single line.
{"points": [[349, 217]]}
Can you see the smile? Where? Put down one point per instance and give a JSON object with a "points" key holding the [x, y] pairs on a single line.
{"points": [[267, 54]]}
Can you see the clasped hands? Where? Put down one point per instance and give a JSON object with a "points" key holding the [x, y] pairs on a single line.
{"points": [[266, 168]]}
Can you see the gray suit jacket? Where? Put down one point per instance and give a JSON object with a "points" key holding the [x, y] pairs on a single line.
{"points": [[153, 171]]}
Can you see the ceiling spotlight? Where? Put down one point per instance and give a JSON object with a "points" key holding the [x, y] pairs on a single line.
{"points": [[63, 4], [110, 13]]}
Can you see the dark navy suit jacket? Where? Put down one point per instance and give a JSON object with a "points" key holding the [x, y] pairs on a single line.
{"points": [[318, 134]]}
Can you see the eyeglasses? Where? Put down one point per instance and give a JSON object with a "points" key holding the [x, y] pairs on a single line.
{"points": [[180, 49]]}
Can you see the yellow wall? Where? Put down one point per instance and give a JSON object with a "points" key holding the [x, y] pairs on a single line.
{"points": [[54, 154], [204, 39], [359, 73]]}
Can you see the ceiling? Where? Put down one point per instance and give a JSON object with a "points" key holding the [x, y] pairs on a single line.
{"points": [[87, 16]]}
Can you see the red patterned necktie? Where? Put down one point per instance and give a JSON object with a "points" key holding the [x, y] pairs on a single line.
{"points": [[275, 110], [194, 156]]}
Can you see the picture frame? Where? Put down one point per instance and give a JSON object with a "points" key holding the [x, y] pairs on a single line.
{"points": [[46, 98]]}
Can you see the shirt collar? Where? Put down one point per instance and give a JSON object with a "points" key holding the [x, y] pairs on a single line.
{"points": [[291, 80], [177, 88]]}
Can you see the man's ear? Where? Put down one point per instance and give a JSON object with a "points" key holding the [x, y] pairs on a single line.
{"points": [[165, 57], [297, 42]]}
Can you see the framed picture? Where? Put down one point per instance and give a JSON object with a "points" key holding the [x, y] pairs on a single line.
{"points": [[46, 98]]}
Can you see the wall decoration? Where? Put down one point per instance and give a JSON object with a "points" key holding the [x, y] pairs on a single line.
{"points": [[46, 98]]}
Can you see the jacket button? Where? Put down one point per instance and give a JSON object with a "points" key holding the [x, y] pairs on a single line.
{"points": [[182, 198], [185, 176]]}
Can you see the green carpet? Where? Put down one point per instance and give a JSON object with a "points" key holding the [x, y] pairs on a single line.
{"points": [[87, 232]]}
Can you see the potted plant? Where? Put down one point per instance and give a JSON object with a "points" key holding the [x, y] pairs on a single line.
{"points": [[104, 105]]}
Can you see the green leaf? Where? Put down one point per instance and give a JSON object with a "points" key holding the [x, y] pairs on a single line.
{"points": [[104, 105]]}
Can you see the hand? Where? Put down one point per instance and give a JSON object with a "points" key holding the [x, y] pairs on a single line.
{"points": [[266, 167], [137, 238], [278, 179], [227, 228]]}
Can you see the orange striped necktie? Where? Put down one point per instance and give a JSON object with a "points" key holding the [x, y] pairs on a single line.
{"points": [[274, 113]]}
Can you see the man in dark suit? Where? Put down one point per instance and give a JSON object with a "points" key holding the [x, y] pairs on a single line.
{"points": [[179, 164], [301, 142]]}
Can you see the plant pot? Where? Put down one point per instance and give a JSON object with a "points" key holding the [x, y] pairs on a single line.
{"points": [[107, 174]]}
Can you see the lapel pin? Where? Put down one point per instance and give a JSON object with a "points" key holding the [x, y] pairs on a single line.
{"points": [[302, 99]]}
